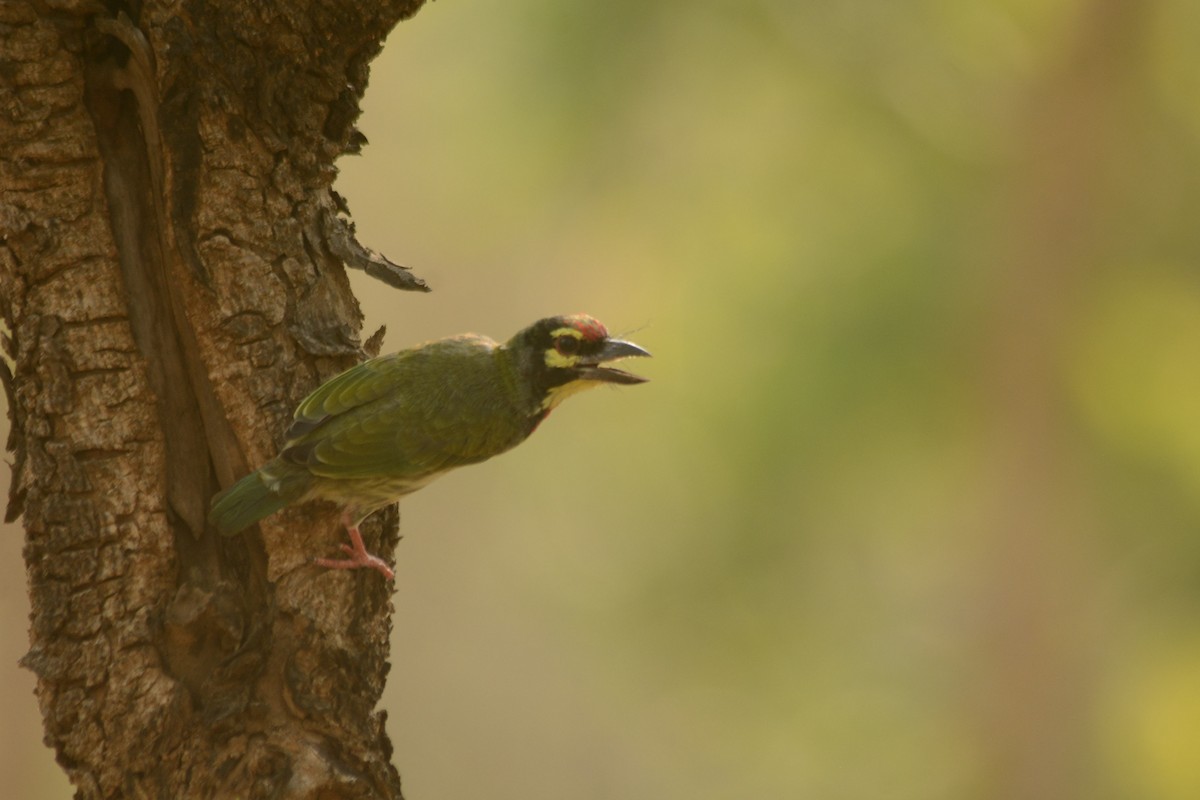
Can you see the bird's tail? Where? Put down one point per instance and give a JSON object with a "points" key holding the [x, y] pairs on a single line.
{"points": [[258, 495]]}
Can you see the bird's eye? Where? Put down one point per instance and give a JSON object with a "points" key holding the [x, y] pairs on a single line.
{"points": [[566, 345]]}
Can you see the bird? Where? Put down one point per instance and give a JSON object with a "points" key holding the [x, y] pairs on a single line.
{"points": [[388, 426]]}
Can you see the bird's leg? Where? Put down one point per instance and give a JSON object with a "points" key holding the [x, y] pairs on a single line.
{"points": [[359, 557]]}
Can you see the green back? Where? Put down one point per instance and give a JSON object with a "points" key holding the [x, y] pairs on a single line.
{"points": [[410, 414]]}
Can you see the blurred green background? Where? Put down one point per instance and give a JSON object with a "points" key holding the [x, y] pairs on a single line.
{"points": [[909, 509]]}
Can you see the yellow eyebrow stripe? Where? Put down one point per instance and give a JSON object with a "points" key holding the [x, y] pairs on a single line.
{"points": [[578, 334]]}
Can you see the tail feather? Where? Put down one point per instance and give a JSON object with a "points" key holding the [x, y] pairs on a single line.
{"points": [[256, 496]]}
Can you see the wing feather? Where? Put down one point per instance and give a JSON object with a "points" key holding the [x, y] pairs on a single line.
{"points": [[371, 423]]}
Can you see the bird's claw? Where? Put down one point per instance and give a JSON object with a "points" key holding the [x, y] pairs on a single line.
{"points": [[358, 556], [357, 561]]}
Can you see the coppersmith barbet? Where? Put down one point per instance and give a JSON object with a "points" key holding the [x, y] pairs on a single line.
{"points": [[390, 425]]}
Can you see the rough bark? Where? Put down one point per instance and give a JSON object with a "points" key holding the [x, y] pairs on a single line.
{"points": [[171, 277]]}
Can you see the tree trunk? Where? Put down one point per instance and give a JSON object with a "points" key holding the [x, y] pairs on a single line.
{"points": [[171, 277]]}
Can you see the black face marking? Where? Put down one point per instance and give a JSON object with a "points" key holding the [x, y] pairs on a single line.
{"points": [[557, 351]]}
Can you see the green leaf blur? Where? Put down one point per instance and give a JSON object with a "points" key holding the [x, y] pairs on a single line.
{"points": [[909, 509]]}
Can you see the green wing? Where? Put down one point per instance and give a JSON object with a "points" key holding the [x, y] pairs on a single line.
{"points": [[407, 415], [357, 386]]}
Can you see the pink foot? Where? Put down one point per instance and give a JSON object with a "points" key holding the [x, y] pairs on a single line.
{"points": [[359, 557]]}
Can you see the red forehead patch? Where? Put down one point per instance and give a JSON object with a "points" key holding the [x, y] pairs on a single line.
{"points": [[590, 327]]}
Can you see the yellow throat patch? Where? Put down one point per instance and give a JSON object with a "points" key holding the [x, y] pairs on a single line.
{"points": [[560, 393]]}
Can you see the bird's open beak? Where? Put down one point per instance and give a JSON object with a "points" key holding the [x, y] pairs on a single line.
{"points": [[613, 349]]}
